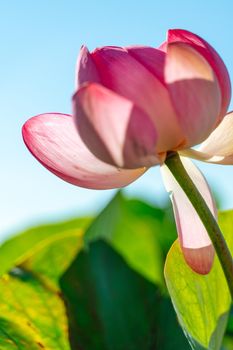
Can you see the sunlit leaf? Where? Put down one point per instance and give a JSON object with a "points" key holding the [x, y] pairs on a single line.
{"points": [[202, 302], [21, 247], [51, 261], [32, 316]]}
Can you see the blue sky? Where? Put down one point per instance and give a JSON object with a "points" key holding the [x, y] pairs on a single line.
{"points": [[40, 41]]}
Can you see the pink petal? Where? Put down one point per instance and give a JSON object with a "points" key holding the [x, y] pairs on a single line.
{"points": [[194, 240], [163, 47], [86, 70], [218, 147], [212, 57], [125, 75], [114, 129], [54, 141], [151, 58], [194, 91]]}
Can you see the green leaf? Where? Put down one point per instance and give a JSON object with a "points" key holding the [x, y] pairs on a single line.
{"points": [[134, 230], [112, 307], [21, 247], [53, 258], [202, 303], [32, 316]]}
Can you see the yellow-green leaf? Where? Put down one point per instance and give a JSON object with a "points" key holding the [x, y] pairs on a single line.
{"points": [[32, 311], [19, 248], [32, 316]]}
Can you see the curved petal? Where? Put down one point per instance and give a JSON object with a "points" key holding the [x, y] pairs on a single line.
{"points": [[194, 91], [212, 57], [218, 147], [54, 141], [86, 70], [114, 129], [126, 76], [194, 240], [151, 58]]}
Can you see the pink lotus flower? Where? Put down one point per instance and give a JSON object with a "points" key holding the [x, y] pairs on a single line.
{"points": [[131, 106]]}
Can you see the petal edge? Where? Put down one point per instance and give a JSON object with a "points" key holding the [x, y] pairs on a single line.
{"points": [[194, 240], [55, 143]]}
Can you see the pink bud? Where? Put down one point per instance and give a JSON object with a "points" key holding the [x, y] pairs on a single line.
{"points": [[131, 106], [183, 88]]}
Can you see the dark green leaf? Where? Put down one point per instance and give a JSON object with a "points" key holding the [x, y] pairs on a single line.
{"points": [[112, 307], [134, 229]]}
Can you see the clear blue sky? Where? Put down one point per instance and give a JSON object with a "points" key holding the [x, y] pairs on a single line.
{"points": [[39, 42]]}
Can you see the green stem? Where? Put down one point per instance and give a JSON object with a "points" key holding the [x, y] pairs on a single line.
{"points": [[175, 165]]}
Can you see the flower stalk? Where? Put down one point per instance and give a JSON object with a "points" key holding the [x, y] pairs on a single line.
{"points": [[175, 165]]}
